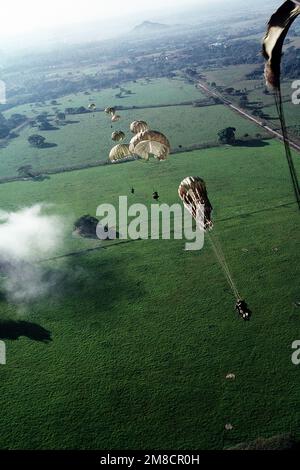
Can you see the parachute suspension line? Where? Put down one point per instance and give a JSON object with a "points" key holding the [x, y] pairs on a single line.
{"points": [[216, 245], [222, 260], [289, 157]]}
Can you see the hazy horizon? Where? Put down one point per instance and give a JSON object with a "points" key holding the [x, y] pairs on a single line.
{"points": [[31, 17], [64, 21]]}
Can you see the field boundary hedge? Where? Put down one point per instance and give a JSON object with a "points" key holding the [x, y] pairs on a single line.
{"points": [[97, 163]]}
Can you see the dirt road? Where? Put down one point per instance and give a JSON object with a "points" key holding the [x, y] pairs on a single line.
{"points": [[244, 114]]}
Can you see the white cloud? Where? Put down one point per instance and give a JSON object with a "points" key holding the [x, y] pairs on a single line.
{"points": [[26, 237], [29, 235]]}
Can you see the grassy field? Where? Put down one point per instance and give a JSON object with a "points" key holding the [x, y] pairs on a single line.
{"points": [[144, 333], [236, 76], [155, 92], [88, 137], [292, 115], [233, 76]]}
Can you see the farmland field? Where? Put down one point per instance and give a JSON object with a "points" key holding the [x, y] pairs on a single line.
{"points": [[88, 136], [140, 347], [236, 77], [143, 93], [291, 112], [140, 342], [233, 76]]}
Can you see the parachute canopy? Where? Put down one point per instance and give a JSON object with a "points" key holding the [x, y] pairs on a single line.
{"points": [[192, 191], [92, 107], [117, 136], [115, 118], [138, 126], [120, 152], [278, 28], [110, 111], [147, 143]]}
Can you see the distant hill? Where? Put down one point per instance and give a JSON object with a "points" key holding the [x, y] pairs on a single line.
{"points": [[149, 27]]}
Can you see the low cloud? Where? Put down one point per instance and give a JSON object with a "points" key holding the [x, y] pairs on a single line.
{"points": [[27, 237]]}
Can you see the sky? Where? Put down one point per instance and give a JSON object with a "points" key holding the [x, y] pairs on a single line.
{"points": [[20, 16], [27, 24]]}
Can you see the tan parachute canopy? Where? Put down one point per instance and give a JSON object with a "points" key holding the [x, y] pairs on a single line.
{"points": [[138, 126], [192, 191], [110, 111], [147, 143], [278, 28], [120, 152], [117, 136], [116, 118]]}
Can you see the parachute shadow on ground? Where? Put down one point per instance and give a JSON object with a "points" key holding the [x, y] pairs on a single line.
{"points": [[10, 329]]}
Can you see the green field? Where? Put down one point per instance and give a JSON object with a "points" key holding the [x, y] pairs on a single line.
{"points": [[236, 76], [291, 112], [233, 76], [144, 333], [161, 91], [88, 138]]}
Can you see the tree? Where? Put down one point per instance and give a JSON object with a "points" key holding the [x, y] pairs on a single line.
{"points": [[36, 140], [2, 119], [227, 135], [243, 101], [86, 226], [4, 131], [61, 116], [25, 171], [258, 112], [42, 117], [16, 120], [46, 126], [81, 110]]}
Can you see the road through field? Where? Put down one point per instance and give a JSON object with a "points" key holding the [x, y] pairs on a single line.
{"points": [[243, 113]]}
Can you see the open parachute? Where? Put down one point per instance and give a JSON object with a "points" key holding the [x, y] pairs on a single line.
{"points": [[278, 28], [150, 143], [120, 152], [92, 107], [110, 111], [192, 191], [117, 136], [138, 126]]}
